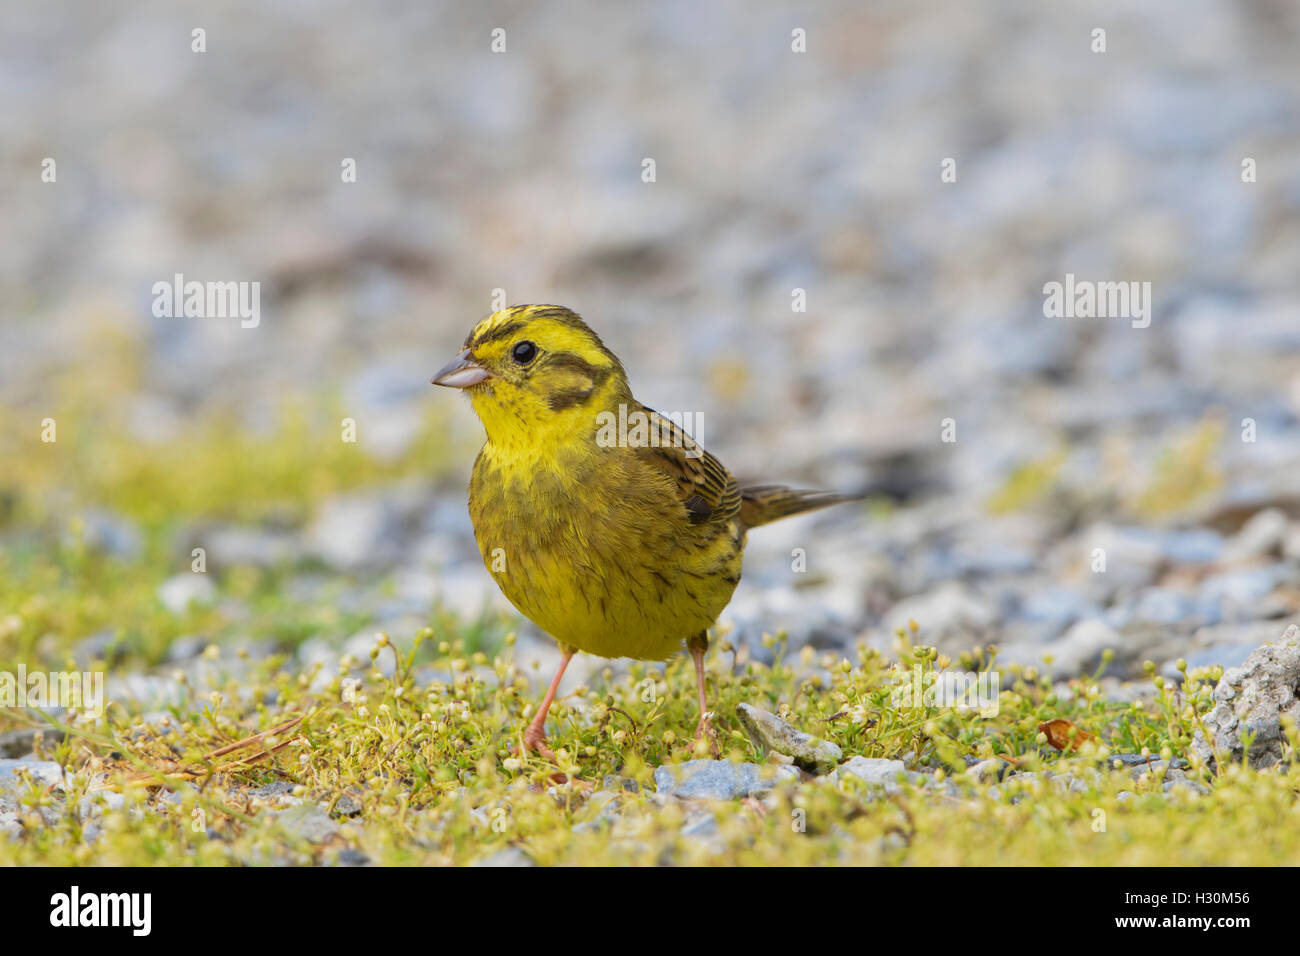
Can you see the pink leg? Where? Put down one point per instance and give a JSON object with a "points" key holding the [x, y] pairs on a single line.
{"points": [[535, 735], [704, 729]]}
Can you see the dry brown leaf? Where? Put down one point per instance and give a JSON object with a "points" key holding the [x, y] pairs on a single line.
{"points": [[1059, 734]]}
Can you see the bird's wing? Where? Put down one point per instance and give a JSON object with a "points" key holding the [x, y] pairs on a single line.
{"points": [[705, 488]]}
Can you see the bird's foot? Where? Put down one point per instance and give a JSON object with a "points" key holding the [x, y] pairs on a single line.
{"points": [[704, 732], [535, 740]]}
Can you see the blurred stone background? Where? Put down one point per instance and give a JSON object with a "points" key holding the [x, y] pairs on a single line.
{"points": [[775, 170]]}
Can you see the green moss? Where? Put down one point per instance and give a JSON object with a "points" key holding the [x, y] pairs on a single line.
{"points": [[1028, 484], [432, 771], [218, 470], [1186, 472]]}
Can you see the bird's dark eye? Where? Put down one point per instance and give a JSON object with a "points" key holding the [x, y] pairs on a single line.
{"points": [[524, 352]]}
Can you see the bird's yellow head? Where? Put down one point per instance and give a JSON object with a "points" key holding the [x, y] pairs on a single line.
{"points": [[534, 372]]}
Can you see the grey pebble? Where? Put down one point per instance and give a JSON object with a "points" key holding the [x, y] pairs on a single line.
{"points": [[510, 856], [771, 734], [309, 821], [17, 743], [718, 779], [877, 772], [1254, 698]]}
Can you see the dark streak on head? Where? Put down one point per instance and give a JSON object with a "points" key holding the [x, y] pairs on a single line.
{"points": [[491, 335], [569, 397], [555, 312], [578, 364]]}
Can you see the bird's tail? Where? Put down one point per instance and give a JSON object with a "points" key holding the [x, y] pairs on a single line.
{"points": [[761, 504]]}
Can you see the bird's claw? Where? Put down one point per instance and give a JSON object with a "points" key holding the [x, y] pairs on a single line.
{"points": [[704, 731], [535, 740]]}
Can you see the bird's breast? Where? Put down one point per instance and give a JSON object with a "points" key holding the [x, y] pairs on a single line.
{"points": [[599, 554]]}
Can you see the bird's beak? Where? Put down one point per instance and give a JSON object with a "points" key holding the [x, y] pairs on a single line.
{"points": [[460, 372]]}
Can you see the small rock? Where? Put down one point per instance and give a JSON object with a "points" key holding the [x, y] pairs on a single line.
{"points": [[1262, 535], [1079, 650], [179, 591], [1253, 699], [510, 856], [1194, 785], [1133, 554], [186, 647], [702, 827], [269, 791], [613, 782], [877, 772], [93, 805], [356, 531], [239, 545], [17, 743], [606, 804], [112, 534], [96, 647], [950, 609], [1058, 607], [42, 772], [772, 734], [1291, 544], [1240, 595], [1158, 768], [1068, 783], [988, 771], [1132, 760], [308, 821], [149, 691], [1165, 607], [718, 779], [347, 806]]}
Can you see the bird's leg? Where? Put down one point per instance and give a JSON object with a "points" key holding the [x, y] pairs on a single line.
{"points": [[704, 729], [535, 735]]}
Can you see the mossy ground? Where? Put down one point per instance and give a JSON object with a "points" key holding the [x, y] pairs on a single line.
{"points": [[428, 775], [418, 767]]}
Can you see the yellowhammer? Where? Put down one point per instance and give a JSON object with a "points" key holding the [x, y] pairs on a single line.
{"points": [[621, 540]]}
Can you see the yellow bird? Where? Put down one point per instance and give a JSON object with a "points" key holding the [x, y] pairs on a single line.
{"points": [[602, 521]]}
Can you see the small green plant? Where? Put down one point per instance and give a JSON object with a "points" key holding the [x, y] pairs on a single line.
{"points": [[412, 756]]}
